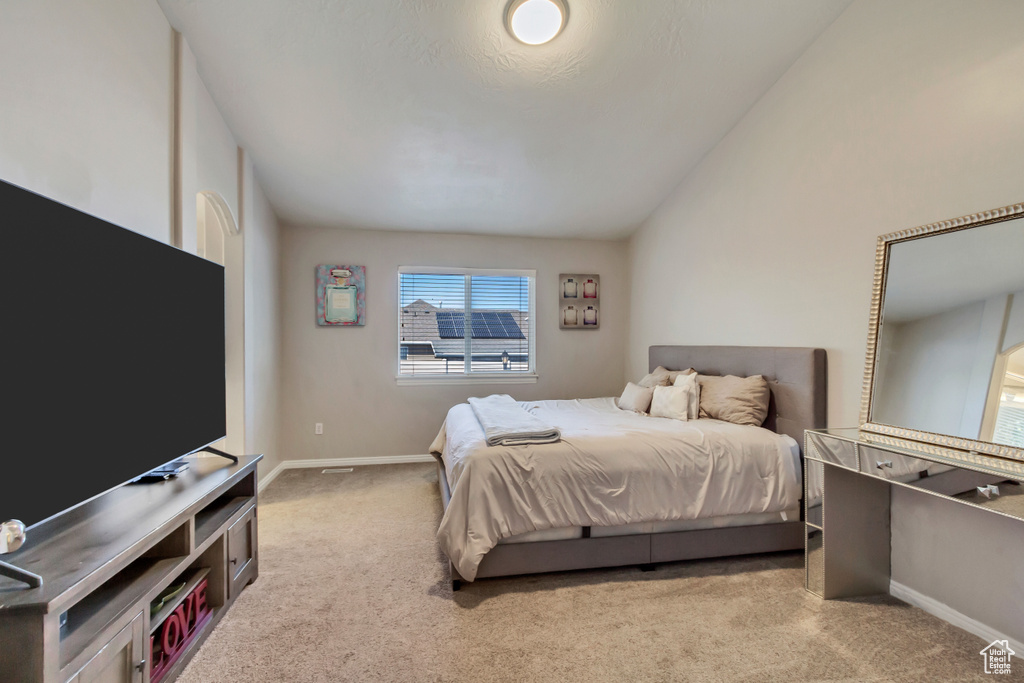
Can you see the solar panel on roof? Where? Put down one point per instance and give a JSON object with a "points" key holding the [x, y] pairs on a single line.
{"points": [[486, 325], [450, 325], [510, 329]]}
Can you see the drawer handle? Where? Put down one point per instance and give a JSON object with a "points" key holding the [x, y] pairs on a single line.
{"points": [[234, 560], [989, 491], [883, 463]]}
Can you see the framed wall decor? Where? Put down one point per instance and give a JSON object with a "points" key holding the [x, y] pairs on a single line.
{"points": [[579, 302], [340, 296]]}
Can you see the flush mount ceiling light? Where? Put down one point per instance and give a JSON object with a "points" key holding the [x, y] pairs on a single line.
{"points": [[536, 21]]}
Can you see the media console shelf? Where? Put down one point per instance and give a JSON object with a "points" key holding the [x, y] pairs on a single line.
{"points": [[104, 563]]}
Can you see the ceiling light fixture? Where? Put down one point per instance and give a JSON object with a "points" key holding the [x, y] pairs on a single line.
{"points": [[535, 22]]}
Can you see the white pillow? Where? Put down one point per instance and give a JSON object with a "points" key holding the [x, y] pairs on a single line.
{"points": [[673, 375], [663, 377], [670, 402], [692, 387], [636, 398]]}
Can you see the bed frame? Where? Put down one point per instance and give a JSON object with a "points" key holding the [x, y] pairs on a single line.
{"points": [[797, 379]]}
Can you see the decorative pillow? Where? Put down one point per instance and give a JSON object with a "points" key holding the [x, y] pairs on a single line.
{"points": [[670, 402], [690, 384], [636, 398], [663, 377], [740, 400], [673, 375], [658, 378]]}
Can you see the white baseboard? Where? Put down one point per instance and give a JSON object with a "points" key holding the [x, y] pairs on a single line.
{"points": [[947, 613], [341, 462]]}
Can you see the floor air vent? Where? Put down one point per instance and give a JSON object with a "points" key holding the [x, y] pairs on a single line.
{"points": [[337, 470]]}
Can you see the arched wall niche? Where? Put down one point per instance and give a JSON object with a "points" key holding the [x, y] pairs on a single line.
{"points": [[214, 225]]}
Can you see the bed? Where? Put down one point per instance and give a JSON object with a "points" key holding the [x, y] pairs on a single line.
{"points": [[548, 508]]}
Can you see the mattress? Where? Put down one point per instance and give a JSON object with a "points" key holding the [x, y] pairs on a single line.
{"points": [[612, 469]]}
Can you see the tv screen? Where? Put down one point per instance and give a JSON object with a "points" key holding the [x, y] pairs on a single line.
{"points": [[113, 352]]}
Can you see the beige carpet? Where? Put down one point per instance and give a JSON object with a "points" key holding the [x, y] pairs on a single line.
{"points": [[353, 587]]}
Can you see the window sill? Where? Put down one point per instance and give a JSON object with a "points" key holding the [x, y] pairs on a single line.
{"points": [[423, 380]]}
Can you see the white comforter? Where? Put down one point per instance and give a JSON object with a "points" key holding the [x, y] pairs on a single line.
{"points": [[611, 467]]}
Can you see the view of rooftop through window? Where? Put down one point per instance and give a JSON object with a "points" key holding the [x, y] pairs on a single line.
{"points": [[432, 332]]}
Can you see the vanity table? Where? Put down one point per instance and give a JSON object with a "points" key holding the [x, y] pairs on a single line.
{"points": [[942, 406], [849, 477]]}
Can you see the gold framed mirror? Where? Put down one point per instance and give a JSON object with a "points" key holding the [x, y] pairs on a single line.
{"points": [[945, 351]]}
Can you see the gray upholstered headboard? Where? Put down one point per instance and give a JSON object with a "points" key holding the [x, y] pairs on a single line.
{"points": [[796, 376]]}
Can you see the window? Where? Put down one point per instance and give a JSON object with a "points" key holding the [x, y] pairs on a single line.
{"points": [[1009, 426], [458, 323]]}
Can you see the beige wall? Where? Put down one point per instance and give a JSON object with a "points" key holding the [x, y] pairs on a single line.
{"points": [[880, 126], [88, 117], [211, 161], [262, 324], [86, 107], [209, 158], [900, 114], [345, 377]]}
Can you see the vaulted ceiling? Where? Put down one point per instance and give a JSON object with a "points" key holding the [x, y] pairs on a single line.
{"points": [[428, 115]]}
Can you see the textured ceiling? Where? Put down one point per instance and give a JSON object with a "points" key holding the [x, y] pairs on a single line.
{"points": [[427, 115]]}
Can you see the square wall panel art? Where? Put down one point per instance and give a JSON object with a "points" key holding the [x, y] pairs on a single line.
{"points": [[579, 302], [340, 295]]}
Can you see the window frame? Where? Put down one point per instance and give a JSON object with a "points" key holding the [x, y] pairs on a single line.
{"points": [[467, 376]]}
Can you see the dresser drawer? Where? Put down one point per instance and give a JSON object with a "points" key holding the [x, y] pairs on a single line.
{"points": [[891, 466], [832, 451]]}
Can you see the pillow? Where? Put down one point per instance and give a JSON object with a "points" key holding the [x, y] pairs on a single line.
{"points": [[663, 377], [689, 383], [636, 398], [658, 378], [740, 400], [670, 402], [673, 375]]}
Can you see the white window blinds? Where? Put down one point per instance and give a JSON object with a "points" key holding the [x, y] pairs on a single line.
{"points": [[459, 322]]}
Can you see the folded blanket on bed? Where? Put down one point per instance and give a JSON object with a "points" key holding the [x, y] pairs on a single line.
{"points": [[506, 423]]}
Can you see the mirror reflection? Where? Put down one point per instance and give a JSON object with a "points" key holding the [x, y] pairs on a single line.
{"points": [[950, 350]]}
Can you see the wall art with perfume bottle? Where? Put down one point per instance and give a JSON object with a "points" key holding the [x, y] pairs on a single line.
{"points": [[340, 295], [579, 302]]}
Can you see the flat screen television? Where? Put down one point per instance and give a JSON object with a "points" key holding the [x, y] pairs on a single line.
{"points": [[113, 355]]}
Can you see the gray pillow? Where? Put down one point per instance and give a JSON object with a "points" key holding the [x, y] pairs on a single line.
{"points": [[740, 400], [636, 398]]}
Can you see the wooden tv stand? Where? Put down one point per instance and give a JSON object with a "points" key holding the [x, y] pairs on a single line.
{"points": [[104, 563]]}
